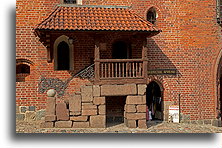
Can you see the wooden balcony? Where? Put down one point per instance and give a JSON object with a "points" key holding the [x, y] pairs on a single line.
{"points": [[120, 71]]}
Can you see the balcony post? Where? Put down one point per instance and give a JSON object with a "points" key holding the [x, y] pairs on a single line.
{"points": [[145, 59], [97, 63]]}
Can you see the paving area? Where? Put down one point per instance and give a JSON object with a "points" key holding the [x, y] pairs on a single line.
{"points": [[164, 127]]}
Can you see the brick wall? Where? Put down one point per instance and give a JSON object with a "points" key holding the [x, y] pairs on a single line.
{"points": [[190, 42]]}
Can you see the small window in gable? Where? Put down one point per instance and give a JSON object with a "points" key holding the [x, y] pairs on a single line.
{"points": [[152, 15]]}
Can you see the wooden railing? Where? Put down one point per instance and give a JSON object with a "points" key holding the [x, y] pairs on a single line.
{"points": [[120, 68]]}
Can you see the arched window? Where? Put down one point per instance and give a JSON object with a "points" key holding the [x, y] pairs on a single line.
{"points": [[22, 69], [151, 15], [63, 56]]}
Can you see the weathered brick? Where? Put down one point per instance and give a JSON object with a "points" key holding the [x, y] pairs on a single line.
{"points": [[135, 116], [50, 106], [86, 92], [75, 103], [96, 90], [130, 108], [80, 125], [142, 124], [89, 107], [99, 100], [141, 108], [89, 112], [62, 113], [47, 125], [63, 124], [50, 118], [136, 100], [131, 123], [102, 109], [141, 89], [79, 118], [74, 113], [118, 90], [98, 121]]}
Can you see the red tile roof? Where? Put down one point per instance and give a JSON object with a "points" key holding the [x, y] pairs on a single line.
{"points": [[95, 18]]}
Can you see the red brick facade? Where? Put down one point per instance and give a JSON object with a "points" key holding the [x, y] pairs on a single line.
{"points": [[190, 43]]}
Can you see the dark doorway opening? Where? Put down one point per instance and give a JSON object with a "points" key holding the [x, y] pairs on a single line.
{"points": [[63, 56], [115, 110], [154, 101], [121, 50], [219, 115]]}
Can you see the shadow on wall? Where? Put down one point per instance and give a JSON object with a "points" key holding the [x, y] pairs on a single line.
{"points": [[159, 60]]}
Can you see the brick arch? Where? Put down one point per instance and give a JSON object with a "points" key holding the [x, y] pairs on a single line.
{"points": [[217, 84], [63, 38], [24, 61]]}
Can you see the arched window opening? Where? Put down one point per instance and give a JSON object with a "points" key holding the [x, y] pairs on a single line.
{"points": [[154, 101], [152, 15], [63, 56], [22, 71], [121, 50]]}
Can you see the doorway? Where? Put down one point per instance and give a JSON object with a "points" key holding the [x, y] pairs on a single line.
{"points": [[115, 110], [154, 101], [121, 50]]}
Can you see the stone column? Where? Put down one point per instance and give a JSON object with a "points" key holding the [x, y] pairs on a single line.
{"points": [[50, 116]]}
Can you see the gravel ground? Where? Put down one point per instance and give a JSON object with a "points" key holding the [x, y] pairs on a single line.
{"points": [[164, 127]]}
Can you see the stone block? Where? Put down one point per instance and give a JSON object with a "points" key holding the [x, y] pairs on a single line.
{"points": [[30, 116], [50, 106], [40, 114], [80, 125], [99, 100], [96, 90], [89, 107], [62, 112], [215, 123], [141, 108], [135, 116], [23, 109], [130, 108], [102, 109], [136, 100], [75, 103], [50, 118], [87, 93], [20, 117], [142, 124], [74, 113], [79, 118], [141, 89], [63, 124], [131, 123], [89, 112], [47, 125], [200, 122], [118, 90], [207, 121], [98, 121], [17, 109], [31, 108]]}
